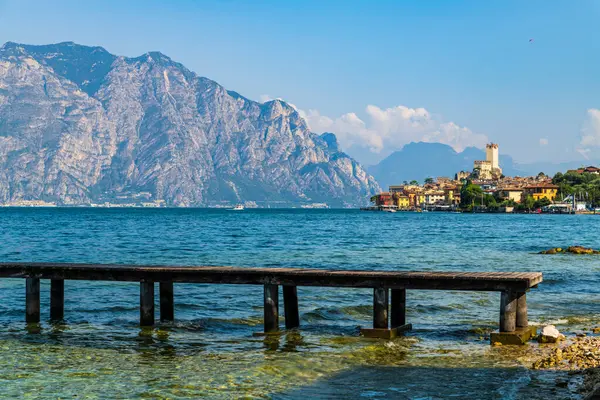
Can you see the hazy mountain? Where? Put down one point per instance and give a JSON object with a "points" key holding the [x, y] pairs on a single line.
{"points": [[78, 124], [422, 160]]}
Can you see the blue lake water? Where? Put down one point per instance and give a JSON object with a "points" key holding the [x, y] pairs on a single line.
{"points": [[100, 351]]}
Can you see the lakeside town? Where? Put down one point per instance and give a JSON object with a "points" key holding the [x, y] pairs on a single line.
{"points": [[486, 189]]}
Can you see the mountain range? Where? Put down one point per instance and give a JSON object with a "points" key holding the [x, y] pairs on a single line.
{"points": [[418, 161], [81, 125]]}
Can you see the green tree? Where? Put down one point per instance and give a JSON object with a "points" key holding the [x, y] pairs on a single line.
{"points": [[429, 180], [528, 202], [508, 203], [470, 194], [490, 201], [558, 178], [414, 183], [543, 202]]}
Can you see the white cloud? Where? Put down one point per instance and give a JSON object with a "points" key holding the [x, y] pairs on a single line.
{"points": [[590, 132], [543, 142], [388, 129], [392, 128], [264, 98]]}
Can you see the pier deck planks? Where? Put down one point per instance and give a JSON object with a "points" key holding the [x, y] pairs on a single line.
{"points": [[477, 281]]}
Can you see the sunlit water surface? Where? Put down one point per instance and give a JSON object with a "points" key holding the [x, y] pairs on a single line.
{"points": [[100, 351]]}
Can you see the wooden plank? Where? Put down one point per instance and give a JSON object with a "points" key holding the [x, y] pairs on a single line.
{"points": [[146, 303], [32, 300], [380, 308], [290, 304], [271, 308], [167, 302], [486, 281], [508, 311], [398, 308], [57, 299]]}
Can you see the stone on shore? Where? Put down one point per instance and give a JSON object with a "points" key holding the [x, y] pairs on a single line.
{"points": [[580, 354], [549, 334]]}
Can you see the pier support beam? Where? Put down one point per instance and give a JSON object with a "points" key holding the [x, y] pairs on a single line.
{"points": [[514, 327], [380, 308], [398, 311], [290, 304], [522, 321], [146, 303], [57, 299], [271, 308], [380, 315], [508, 311], [32, 300], [167, 307]]}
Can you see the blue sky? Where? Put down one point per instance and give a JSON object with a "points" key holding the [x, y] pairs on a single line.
{"points": [[378, 74]]}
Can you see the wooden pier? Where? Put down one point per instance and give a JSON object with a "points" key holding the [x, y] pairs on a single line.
{"points": [[387, 321]]}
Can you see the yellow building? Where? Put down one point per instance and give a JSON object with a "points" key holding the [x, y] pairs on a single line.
{"points": [[452, 194], [401, 200], [541, 191]]}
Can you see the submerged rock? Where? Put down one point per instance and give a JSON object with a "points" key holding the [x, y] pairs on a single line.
{"points": [[570, 250], [549, 334], [581, 250]]}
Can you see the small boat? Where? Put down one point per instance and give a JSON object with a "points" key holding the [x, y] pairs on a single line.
{"points": [[389, 210], [238, 207]]}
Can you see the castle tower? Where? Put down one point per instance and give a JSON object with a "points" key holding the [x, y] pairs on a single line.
{"points": [[491, 155]]}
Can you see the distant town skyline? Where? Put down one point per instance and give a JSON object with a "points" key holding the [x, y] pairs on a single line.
{"points": [[378, 75]]}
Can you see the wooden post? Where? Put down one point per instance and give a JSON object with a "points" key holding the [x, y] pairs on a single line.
{"points": [[398, 308], [508, 311], [146, 303], [32, 300], [167, 308], [57, 299], [522, 310], [271, 308], [380, 308], [290, 304]]}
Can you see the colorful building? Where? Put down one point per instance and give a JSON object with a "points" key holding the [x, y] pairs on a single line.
{"points": [[401, 200], [510, 193], [383, 199], [437, 197], [541, 191]]}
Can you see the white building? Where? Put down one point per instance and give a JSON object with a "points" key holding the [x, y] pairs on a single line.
{"points": [[491, 155], [435, 198], [490, 168]]}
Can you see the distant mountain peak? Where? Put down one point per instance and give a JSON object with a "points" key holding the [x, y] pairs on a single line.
{"points": [[12, 47], [275, 108], [156, 56], [331, 140]]}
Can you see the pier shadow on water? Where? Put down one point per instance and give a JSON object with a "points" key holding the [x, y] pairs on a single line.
{"points": [[374, 382]]}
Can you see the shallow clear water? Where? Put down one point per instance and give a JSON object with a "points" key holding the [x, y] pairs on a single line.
{"points": [[100, 352]]}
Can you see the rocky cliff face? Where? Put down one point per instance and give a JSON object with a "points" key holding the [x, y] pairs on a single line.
{"points": [[80, 125]]}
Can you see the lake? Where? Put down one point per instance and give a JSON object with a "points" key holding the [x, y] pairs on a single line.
{"points": [[101, 352]]}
